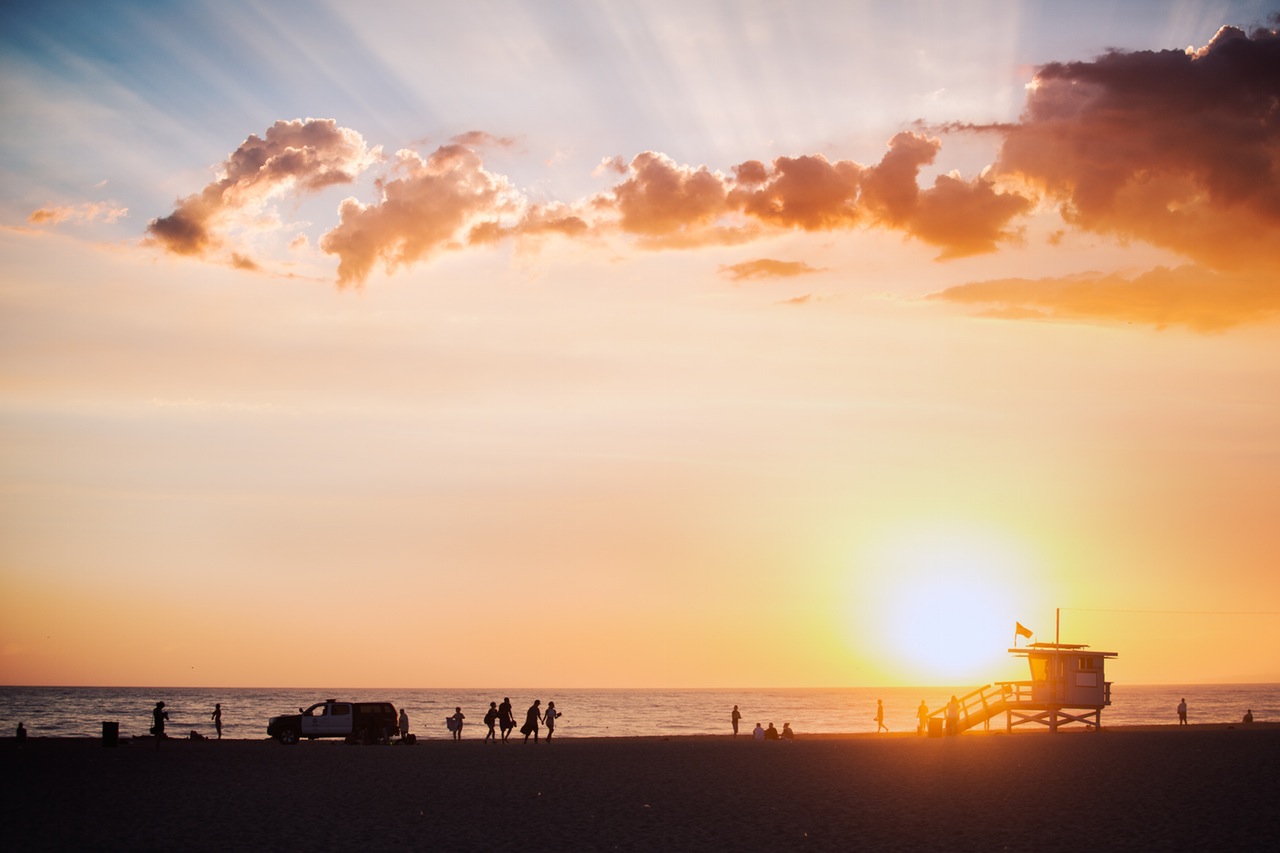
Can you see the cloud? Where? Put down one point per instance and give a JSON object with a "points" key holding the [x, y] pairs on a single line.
{"points": [[1190, 296], [422, 211], [294, 157], [106, 211], [767, 268], [1180, 149]]}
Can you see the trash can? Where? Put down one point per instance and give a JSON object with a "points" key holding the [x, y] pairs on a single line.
{"points": [[935, 727], [110, 733]]}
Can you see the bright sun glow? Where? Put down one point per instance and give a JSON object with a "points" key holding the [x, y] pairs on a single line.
{"points": [[940, 608]]}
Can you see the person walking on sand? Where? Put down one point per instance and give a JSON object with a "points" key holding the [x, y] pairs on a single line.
{"points": [[922, 716], [490, 720], [880, 716], [733, 718], [550, 719], [953, 716], [457, 718], [531, 718], [158, 716], [1182, 712], [216, 716], [403, 724], [506, 720]]}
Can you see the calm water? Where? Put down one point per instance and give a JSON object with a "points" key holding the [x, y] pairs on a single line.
{"points": [[80, 711]]}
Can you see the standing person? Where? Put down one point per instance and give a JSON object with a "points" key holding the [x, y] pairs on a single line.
{"points": [[1182, 712], [457, 718], [506, 720], [403, 724], [922, 715], [953, 716], [490, 718], [880, 716], [550, 719], [22, 734], [531, 718], [216, 716], [158, 716], [733, 718]]}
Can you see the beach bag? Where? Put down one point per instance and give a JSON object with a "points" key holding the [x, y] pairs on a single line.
{"points": [[451, 724], [526, 729]]}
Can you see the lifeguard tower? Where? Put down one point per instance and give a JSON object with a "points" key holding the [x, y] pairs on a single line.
{"points": [[1068, 685]]}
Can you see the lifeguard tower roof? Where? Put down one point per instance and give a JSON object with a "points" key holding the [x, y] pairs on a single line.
{"points": [[1057, 647]]}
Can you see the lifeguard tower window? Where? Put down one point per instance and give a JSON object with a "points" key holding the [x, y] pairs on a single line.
{"points": [[1088, 663]]}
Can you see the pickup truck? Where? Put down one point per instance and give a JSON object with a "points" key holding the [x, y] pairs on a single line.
{"points": [[365, 722]]}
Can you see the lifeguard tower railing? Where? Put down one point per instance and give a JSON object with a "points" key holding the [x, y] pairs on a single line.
{"points": [[1022, 703]]}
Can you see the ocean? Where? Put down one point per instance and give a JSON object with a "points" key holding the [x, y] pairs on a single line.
{"points": [[80, 711]]}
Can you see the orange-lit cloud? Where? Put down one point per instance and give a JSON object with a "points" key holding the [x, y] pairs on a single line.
{"points": [[767, 268], [422, 211], [1200, 299], [1180, 149], [107, 211], [295, 156]]}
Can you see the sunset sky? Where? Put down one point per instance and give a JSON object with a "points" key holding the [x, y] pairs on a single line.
{"points": [[680, 344]]}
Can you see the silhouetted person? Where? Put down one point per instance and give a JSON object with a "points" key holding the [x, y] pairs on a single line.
{"points": [[22, 734], [880, 716], [403, 724], [787, 734], [550, 719], [457, 723], [158, 716], [216, 716], [758, 732], [1248, 716], [490, 720], [953, 716], [771, 733], [733, 718], [1182, 712], [531, 718], [922, 715], [506, 720]]}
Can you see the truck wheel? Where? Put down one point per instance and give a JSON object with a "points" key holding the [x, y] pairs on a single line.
{"points": [[288, 737]]}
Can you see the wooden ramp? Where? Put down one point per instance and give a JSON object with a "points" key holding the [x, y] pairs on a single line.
{"points": [[1019, 702]]}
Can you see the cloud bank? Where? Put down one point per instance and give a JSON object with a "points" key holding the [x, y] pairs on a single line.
{"points": [[1179, 149]]}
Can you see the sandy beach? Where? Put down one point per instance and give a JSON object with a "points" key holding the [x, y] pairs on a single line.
{"points": [[1156, 788]]}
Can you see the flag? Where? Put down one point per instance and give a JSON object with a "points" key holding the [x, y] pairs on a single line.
{"points": [[1021, 630]]}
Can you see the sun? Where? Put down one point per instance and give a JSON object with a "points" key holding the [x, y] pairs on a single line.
{"points": [[938, 607]]}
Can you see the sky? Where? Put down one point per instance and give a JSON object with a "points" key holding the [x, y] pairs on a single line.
{"points": [[657, 344]]}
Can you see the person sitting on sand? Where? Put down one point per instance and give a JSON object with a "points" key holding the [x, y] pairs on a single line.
{"points": [[531, 719], [771, 733], [1248, 716], [787, 734], [1182, 712], [758, 732], [490, 720]]}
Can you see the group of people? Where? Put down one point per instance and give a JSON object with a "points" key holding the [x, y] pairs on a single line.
{"points": [[760, 732], [500, 721]]}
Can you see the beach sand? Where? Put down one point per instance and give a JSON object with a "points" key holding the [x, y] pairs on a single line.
{"points": [[1156, 788]]}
